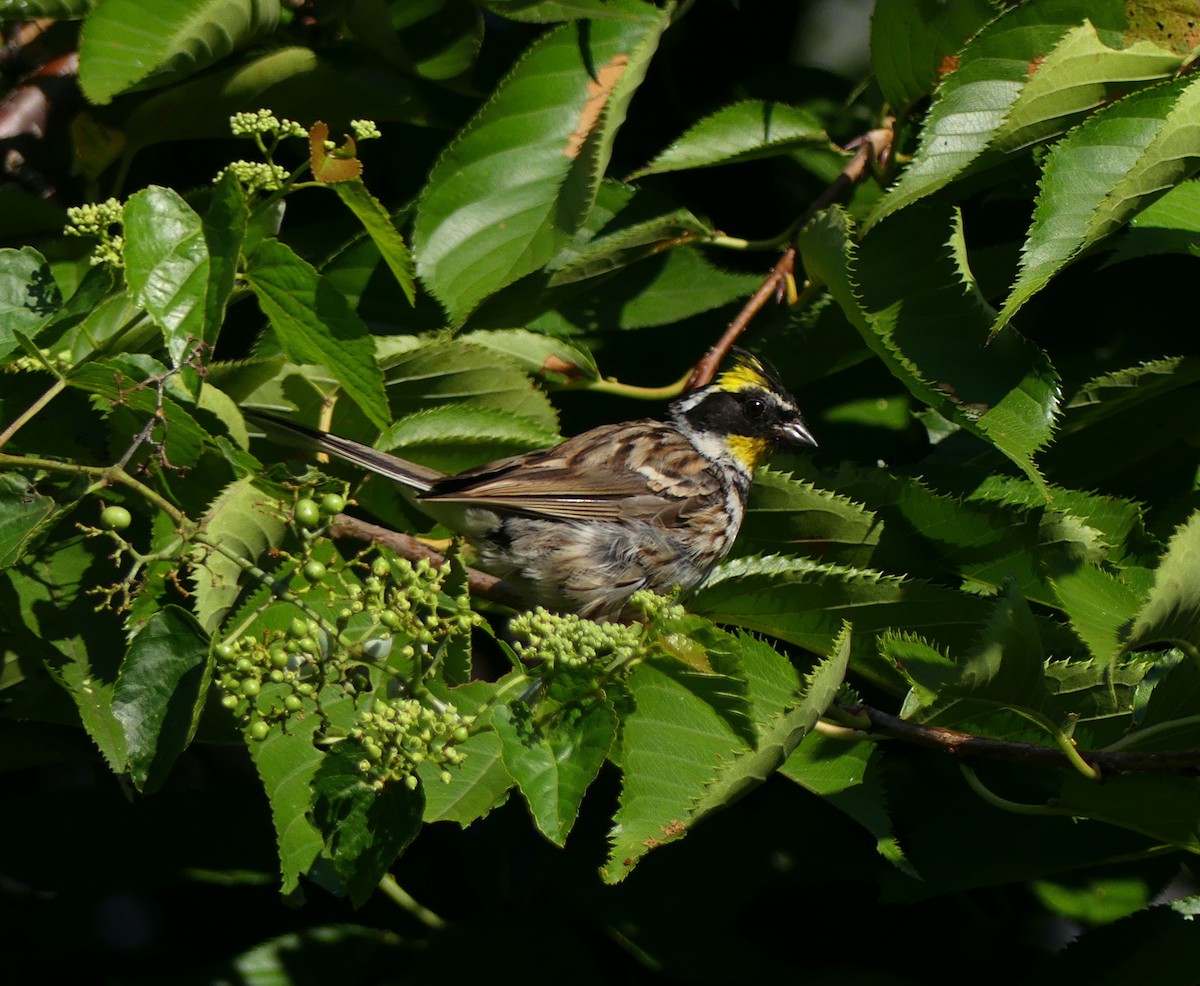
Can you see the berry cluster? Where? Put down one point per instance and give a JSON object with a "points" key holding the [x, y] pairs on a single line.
{"points": [[247, 665], [401, 734], [410, 601]]}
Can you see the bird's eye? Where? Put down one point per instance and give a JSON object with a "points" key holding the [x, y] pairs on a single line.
{"points": [[755, 407]]}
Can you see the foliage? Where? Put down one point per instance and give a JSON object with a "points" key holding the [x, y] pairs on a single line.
{"points": [[415, 224]]}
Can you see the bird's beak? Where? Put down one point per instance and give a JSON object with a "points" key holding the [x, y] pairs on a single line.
{"points": [[796, 432]]}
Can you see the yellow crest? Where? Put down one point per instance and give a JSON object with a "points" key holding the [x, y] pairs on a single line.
{"points": [[747, 372]]}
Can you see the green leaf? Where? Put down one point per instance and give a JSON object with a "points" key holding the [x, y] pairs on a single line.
{"points": [[1170, 224], [1171, 612], [1143, 410], [120, 385], [847, 775], [48, 614], [224, 232], [315, 324], [672, 745], [540, 355], [619, 246], [24, 514], [437, 39], [555, 762], [683, 760], [550, 11], [476, 787], [364, 829], [780, 735], [379, 226], [795, 517], [1027, 76], [924, 318], [454, 437], [287, 761], [914, 44], [167, 267], [124, 43], [1163, 807], [246, 524], [478, 784], [458, 371], [160, 693], [1100, 607], [806, 603], [1004, 670], [1098, 177], [503, 200], [744, 131], [28, 295], [661, 290]]}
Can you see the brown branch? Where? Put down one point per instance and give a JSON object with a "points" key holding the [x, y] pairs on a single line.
{"points": [[966, 746], [406, 546], [871, 146]]}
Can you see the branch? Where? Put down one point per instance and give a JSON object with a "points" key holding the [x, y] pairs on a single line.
{"points": [[406, 546], [964, 745], [870, 147]]}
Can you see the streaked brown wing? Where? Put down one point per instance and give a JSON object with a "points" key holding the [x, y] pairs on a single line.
{"points": [[601, 474]]}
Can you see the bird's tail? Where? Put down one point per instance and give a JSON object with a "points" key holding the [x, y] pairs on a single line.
{"points": [[410, 474]]}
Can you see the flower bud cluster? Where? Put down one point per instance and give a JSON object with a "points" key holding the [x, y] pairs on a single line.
{"points": [[401, 734], [98, 219], [655, 608], [247, 665], [255, 176], [264, 122], [569, 641], [364, 129]]}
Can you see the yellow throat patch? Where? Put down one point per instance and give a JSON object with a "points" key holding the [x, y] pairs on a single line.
{"points": [[749, 451]]}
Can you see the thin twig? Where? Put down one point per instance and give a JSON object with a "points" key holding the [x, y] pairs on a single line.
{"points": [[480, 583], [966, 745], [868, 148]]}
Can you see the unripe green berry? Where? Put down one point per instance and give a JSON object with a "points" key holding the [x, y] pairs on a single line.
{"points": [[461, 734], [380, 568], [307, 513], [229, 701], [332, 503], [313, 571], [244, 665], [279, 657], [411, 782], [259, 730], [293, 703], [250, 687], [224, 652], [297, 628], [115, 518]]}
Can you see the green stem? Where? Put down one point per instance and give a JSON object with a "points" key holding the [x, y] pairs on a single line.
{"points": [[105, 476], [1064, 743], [52, 391], [1140, 735], [410, 904], [993, 799], [668, 392]]}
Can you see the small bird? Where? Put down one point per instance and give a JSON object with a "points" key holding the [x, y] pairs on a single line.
{"points": [[641, 504]]}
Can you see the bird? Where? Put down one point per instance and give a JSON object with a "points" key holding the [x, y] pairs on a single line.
{"points": [[641, 504]]}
